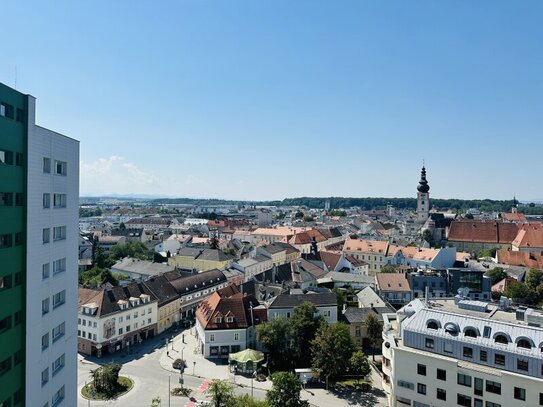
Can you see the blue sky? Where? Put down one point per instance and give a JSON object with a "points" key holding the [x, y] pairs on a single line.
{"points": [[274, 99]]}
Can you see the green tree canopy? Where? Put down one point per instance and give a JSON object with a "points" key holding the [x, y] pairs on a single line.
{"points": [[359, 364], [496, 274], [275, 336], [221, 393], [285, 391], [332, 348], [304, 325], [521, 293], [374, 331], [534, 278]]}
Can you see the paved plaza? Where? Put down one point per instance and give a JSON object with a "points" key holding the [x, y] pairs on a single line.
{"points": [[150, 366]]}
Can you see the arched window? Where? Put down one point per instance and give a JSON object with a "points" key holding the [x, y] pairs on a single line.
{"points": [[472, 333], [501, 338], [524, 343], [432, 325]]}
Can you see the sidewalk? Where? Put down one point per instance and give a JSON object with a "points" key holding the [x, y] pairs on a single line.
{"points": [[199, 366]]}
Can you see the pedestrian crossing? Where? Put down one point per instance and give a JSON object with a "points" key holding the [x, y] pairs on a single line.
{"points": [[201, 389]]}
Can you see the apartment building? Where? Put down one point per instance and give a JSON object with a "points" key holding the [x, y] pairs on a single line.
{"points": [[462, 352], [39, 193]]}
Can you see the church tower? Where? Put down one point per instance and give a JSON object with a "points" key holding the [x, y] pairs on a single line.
{"points": [[515, 205], [423, 198]]}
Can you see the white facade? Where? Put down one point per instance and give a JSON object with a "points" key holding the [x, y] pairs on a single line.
{"points": [[52, 267], [220, 342], [328, 313], [443, 355]]}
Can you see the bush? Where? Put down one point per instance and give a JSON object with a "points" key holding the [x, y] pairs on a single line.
{"points": [[181, 391], [260, 377], [178, 364]]}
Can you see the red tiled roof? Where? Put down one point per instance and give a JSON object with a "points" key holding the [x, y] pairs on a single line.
{"points": [[483, 232], [517, 258], [529, 236], [215, 310], [392, 282]]}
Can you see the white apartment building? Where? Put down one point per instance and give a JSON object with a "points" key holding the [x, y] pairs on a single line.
{"points": [[112, 319], [467, 353], [52, 263]]}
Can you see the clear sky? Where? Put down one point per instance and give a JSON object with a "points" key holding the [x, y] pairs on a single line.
{"points": [[273, 99]]}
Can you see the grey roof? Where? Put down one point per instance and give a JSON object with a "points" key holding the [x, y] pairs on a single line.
{"points": [[357, 315], [215, 255], [293, 300], [162, 289], [417, 320], [131, 265], [350, 277], [186, 285], [368, 296], [189, 252]]}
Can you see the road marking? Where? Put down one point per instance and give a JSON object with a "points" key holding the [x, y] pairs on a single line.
{"points": [[203, 387]]}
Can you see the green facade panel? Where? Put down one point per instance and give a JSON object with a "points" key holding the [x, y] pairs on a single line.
{"points": [[13, 141]]}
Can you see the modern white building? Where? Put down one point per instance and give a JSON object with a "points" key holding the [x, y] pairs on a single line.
{"points": [[39, 237], [463, 353]]}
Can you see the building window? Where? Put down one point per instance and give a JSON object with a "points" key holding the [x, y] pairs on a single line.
{"points": [[19, 116], [5, 324], [59, 298], [421, 388], [59, 266], [482, 356], [491, 404], [6, 198], [46, 200], [499, 359], [5, 282], [478, 386], [45, 341], [441, 394], [46, 165], [44, 376], [429, 343], [5, 366], [468, 352], [421, 369], [6, 157], [405, 384], [522, 364], [18, 238], [464, 380], [6, 241], [59, 200], [218, 320], [128, 328], [57, 397], [541, 399], [441, 374], [326, 313], [500, 338], [463, 400], [46, 235], [493, 387], [60, 167], [58, 332], [58, 364], [447, 347], [19, 199], [236, 337], [6, 110], [45, 306], [520, 393], [59, 233]]}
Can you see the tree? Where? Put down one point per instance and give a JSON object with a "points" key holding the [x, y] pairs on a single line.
{"points": [[221, 393], [496, 274], [308, 218], [299, 215], [247, 401], [105, 378], [275, 336], [213, 242], [388, 268], [341, 296], [303, 326], [136, 250], [521, 293], [285, 391], [534, 278], [374, 331], [359, 365], [429, 237], [332, 348]]}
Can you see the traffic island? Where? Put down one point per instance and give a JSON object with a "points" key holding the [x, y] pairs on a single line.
{"points": [[124, 385]]}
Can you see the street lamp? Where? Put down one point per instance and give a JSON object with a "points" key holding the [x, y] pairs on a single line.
{"points": [[169, 392], [252, 377], [193, 367], [182, 349]]}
